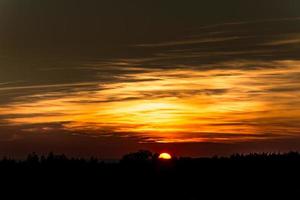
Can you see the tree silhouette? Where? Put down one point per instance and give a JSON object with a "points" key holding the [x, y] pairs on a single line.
{"points": [[140, 156], [142, 171]]}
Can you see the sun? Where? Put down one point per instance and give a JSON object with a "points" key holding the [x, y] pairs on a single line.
{"points": [[165, 156]]}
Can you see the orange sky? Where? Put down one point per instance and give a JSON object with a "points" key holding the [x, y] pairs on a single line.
{"points": [[174, 106], [111, 76]]}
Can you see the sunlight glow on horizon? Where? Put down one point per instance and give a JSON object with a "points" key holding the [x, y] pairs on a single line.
{"points": [[177, 106]]}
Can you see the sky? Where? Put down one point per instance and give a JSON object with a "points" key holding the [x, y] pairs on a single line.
{"points": [[107, 77]]}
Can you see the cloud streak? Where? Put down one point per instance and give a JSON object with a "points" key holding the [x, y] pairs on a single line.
{"points": [[286, 40], [8, 88], [182, 105], [191, 42], [220, 83]]}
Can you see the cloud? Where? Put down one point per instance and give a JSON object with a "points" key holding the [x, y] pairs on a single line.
{"points": [[174, 105], [7, 88], [191, 42], [211, 38], [258, 21], [285, 40], [218, 83]]}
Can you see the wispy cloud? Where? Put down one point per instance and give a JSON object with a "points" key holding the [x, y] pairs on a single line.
{"points": [[222, 83], [293, 39], [8, 88], [175, 105], [190, 42], [259, 21]]}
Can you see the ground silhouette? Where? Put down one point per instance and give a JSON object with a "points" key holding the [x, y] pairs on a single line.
{"points": [[141, 175]]}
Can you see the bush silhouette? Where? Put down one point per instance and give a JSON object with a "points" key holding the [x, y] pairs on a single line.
{"points": [[142, 155]]}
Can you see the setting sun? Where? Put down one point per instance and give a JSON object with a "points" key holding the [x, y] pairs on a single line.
{"points": [[165, 156]]}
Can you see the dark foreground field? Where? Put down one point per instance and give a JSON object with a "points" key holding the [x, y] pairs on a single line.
{"points": [[143, 176]]}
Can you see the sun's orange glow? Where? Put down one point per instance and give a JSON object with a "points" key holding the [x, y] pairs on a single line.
{"points": [[175, 106], [165, 156]]}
